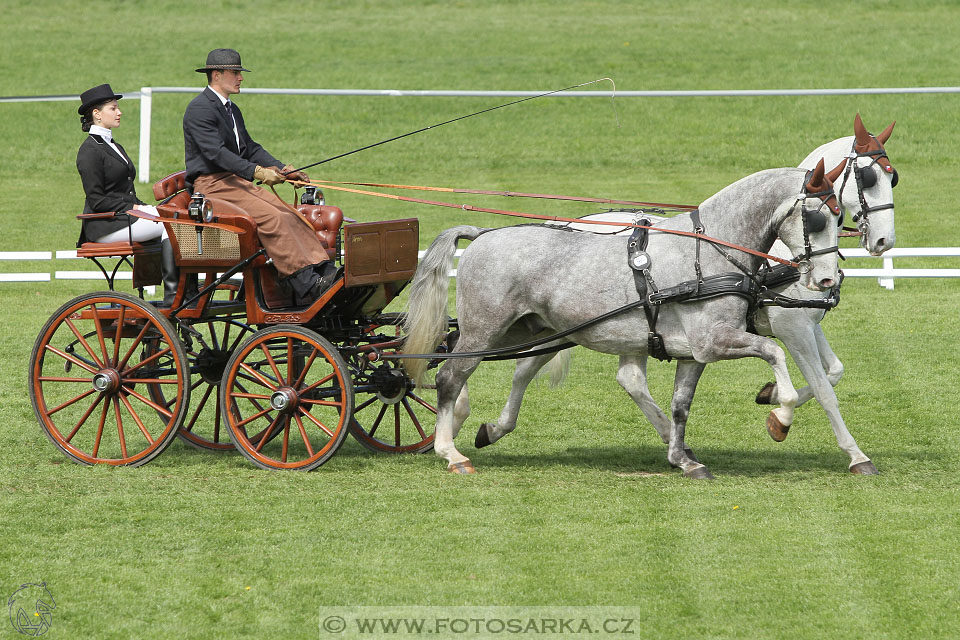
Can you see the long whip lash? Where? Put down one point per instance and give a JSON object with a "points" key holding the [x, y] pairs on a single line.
{"points": [[469, 115]]}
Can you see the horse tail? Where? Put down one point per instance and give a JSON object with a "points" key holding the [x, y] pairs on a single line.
{"points": [[557, 369], [425, 320]]}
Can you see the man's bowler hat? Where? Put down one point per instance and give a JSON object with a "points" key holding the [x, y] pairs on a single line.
{"points": [[95, 96], [221, 60]]}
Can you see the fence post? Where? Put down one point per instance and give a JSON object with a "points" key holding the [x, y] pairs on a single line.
{"points": [[887, 266], [146, 108]]}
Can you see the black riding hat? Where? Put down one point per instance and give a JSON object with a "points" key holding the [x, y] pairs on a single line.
{"points": [[222, 59], [97, 95]]}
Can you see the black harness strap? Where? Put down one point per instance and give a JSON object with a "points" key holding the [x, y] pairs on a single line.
{"points": [[640, 262]]}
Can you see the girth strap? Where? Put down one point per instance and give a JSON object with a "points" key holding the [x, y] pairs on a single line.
{"points": [[639, 261]]}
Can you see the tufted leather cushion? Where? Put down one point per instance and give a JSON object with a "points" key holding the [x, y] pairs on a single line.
{"points": [[173, 183], [327, 221]]}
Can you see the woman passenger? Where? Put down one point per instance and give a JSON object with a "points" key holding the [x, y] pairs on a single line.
{"points": [[108, 174]]}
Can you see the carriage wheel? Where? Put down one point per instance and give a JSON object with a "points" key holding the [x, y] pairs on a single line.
{"points": [[91, 374], [287, 398], [208, 353], [393, 416]]}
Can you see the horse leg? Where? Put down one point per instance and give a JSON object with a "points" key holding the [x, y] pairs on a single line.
{"points": [[727, 343], [632, 376], [525, 371], [807, 352], [684, 386], [832, 367], [451, 381]]}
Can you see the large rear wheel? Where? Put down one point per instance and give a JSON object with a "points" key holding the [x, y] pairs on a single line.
{"points": [[287, 398], [95, 367]]}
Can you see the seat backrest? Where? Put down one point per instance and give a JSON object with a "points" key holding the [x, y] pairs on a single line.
{"points": [[326, 220], [169, 186]]}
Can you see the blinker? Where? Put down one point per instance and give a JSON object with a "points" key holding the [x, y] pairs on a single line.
{"points": [[895, 179]]}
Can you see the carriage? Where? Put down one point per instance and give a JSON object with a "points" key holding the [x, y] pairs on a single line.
{"points": [[232, 363]]}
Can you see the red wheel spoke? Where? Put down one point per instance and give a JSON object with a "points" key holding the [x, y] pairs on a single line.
{"points": [[413, 418], [286, 439], [158, 354], [133, 347], [268, 434], [83, 341], [361, 407], [200, 405], [62, 379], [75, 360], [216, 422], [99, 327], [396, 425], [252, 397], [70, 402], [136, 419], [123, 440], [322, 403], [376, 423], [273, 365], [422, 402], [116, 340], [318, 383], [259, 376], [149, 402], [290, 368], [103, 420], [255, 416], [303, 434], [318, 423], [258, 396], [84, 418]]}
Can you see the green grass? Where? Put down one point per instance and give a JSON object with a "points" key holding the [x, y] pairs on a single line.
{"points": [[578, 507]]}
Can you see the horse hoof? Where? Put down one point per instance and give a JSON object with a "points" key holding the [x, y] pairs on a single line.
{"points": [[698, 473], [464, 467], [776, 429], [864, 469], [483, 438], [766, 394]]}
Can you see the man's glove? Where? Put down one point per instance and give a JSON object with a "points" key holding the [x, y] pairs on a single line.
{"points": [[267, 175], [298, 175]]}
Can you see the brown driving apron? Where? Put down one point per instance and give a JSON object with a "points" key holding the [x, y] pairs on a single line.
{"points": [[279, 227]]}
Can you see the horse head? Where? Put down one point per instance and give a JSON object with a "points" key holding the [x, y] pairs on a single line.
{"points": [[871, 190], [813, 237]]}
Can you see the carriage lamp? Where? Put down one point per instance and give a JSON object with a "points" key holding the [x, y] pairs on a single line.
{"points": [[311, 195], [201, 211]]}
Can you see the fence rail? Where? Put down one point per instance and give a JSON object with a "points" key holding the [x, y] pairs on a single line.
{"points": [[885, 275]]}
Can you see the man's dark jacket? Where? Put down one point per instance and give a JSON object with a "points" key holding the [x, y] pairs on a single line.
{"points": [[209, 145]]}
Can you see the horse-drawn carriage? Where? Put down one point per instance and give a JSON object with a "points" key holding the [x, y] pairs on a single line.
{"points": [[233, 363]]}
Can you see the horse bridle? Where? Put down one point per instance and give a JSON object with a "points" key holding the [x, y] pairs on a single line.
{"points": [[866, 178], [814, 220]]}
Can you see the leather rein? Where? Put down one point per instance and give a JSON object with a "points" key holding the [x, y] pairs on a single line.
{"points": [[697, 234]]}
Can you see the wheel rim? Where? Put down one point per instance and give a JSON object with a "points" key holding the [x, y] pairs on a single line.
{"points": [[91, 374], [286, 399], [391, 415]]}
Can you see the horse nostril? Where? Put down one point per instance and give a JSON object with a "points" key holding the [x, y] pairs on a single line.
{"points": [[826, 283]]}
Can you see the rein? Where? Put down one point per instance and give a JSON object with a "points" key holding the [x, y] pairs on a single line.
{"points": [[534, 216]]}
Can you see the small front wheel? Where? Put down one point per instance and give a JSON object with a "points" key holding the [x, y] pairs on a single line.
{"points": [[287, 398]]}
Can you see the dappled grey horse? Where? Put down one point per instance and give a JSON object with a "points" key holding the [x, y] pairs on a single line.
{"points": [[865, 192], [517, 284]]}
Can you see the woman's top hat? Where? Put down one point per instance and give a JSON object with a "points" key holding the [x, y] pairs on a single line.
{"points": [[222, 59], [95, 96]]}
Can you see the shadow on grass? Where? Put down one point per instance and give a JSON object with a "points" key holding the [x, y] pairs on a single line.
{"points": [[722, 461]]}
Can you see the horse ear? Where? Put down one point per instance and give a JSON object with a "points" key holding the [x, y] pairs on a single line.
{"points": [[860, 131], [837, 170], [816, 180], [885, 134]]}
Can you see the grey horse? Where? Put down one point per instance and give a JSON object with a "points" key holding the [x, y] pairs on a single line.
{"points": [[519, 283], [867, 199]]}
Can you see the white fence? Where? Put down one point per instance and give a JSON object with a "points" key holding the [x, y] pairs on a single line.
{"points": [[885, 275]]}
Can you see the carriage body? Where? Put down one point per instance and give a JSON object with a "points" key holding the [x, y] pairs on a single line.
{"points": [[112, 375]]}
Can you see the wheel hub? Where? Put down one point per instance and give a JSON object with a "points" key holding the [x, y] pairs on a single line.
{"points": [[211, 363], [284, 400], [392, 385], [106, 381]]}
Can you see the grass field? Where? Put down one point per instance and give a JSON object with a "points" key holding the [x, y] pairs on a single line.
{"points": [[578, 508]]}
